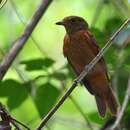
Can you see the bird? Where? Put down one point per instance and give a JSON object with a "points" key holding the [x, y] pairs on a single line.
{"points": [[80, 47]]}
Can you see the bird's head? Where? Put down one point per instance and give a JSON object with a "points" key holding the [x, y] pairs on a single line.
{"points": [[73, 24]]}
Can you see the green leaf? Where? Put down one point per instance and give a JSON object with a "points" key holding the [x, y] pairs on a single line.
{"points": [[45, 98], [38, 64], [14, 91]]}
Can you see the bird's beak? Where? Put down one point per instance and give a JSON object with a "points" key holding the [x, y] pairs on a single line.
{"points": [[60, 23]]}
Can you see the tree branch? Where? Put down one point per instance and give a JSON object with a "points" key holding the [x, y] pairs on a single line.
{"points": [[7, 117], [81, 76], [19, 43], [3, 2]]}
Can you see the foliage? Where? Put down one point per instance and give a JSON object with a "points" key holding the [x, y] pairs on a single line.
{"points": [[39, 74]]}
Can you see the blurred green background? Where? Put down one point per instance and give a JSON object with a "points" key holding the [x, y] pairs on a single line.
{"points": [[40, 73]]}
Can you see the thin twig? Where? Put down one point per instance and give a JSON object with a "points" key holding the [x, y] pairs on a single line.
{"points": [[3, 3], [124, 105], [11, 119], [15, 125], [18, 122], [19, 43], [81, 76]]}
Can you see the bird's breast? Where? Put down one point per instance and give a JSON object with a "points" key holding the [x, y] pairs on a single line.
{"points": [[77, 50]]}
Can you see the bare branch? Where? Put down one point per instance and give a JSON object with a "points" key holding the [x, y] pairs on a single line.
{"points": [[3, 2], [18, 122], [19, 43], [81, 76], [6, 116], [15, 125]]}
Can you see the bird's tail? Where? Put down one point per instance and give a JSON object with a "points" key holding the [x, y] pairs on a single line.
{"points": [[109, 101], [101, 104], [112, 102]]}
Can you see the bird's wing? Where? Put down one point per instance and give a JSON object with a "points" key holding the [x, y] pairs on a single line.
{"points": [[73, 67], [95, 48], [84, 81]]}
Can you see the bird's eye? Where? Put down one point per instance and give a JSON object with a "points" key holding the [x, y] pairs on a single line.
{"points": [[72, 20]]}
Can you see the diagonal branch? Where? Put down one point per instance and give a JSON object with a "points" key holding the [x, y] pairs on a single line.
{"points": [[19, 43], [3, 2], [7, 117], [82, 75]]}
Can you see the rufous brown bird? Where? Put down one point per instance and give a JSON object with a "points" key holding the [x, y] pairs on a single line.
{"points": [[80, 47]]}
